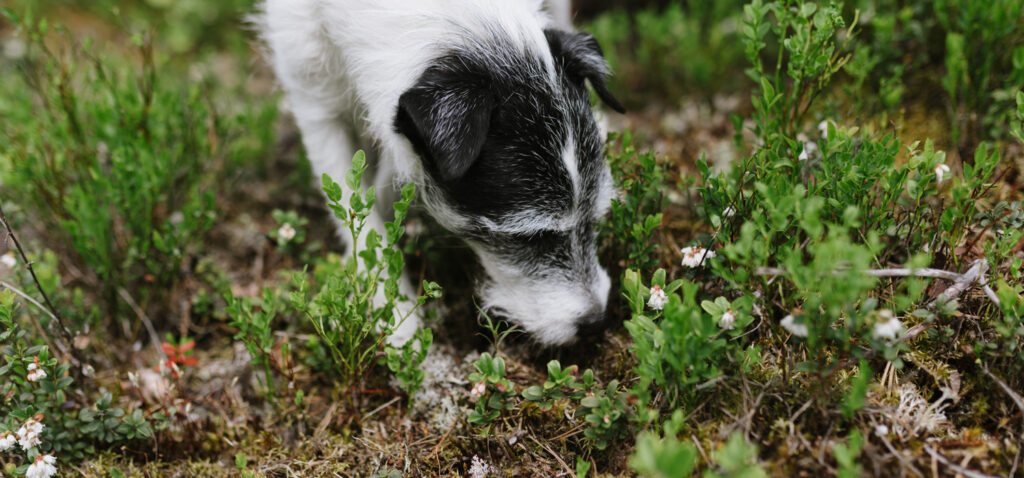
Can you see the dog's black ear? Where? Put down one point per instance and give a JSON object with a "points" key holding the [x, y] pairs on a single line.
{"points": [[582, 58], [446, 117]]}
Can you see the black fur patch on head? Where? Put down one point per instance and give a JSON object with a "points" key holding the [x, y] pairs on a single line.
{"points": [[491, 124], [582, 59], [446, 116]]}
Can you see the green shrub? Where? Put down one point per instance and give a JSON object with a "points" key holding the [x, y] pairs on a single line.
{"points": [[681, 49], [36, 387], [183, 27], [350, 324], [561, 384], [492, 391], [629, 232], [680, 347], [664, 456], [736, 458], [979, 77], [970, 53], [114, 161], [826, 241]]}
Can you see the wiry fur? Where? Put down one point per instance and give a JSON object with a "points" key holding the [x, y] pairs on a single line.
{"points": [[483, 105]]}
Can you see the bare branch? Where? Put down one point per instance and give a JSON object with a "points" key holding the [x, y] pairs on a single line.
{"points": [[961, 282]]}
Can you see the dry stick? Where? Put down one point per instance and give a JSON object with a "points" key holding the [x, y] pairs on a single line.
{"points": [[961, 282], [61, 325], [1017, 399], [957, 468], [552, 452], [153, 336]]}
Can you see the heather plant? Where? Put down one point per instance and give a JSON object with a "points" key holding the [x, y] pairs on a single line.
{"points": [[117, 164]]}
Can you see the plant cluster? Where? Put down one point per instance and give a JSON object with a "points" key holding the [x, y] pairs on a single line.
{"points": [[43, 422], [676, 49], [117, 164], [630, 231], [829, 243], [353, 303]]}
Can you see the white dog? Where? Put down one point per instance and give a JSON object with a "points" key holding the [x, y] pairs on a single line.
{"points": [[481, 103]]}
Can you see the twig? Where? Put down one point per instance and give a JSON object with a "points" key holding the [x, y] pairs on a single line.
{"points": [[552, 452], [961, 282], [957, 468], [437, 447], [53, 312], [700, 449], [1017, 399], [386, 405], [153, 336]]}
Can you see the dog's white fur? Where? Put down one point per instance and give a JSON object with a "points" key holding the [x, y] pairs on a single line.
{"points": [[345, 63]]}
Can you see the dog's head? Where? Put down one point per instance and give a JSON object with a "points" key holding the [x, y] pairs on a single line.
{"points": [[513, 162]]}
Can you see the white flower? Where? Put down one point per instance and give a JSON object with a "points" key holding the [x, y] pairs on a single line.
{"points": [[7, 441], [34, 372], [941, 173], [658, 298], [823, 127], [789, 323], [810, 148], [695, 256], [480, 468], [478, 390], [28, 434], [9, 260], [728, 212], [285, 233], [888, 328], [42, 468], [728, 318]]}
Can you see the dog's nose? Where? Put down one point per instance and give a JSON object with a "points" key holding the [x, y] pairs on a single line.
{"points": [[592, 324]]}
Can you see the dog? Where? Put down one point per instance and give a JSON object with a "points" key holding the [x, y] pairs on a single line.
{"points": [[483, 105]]}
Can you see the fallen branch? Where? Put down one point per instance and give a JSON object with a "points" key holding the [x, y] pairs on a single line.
{"points": [[961, 282]]}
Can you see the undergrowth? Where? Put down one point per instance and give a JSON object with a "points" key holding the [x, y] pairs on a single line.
{"points": [[842, 299]]}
